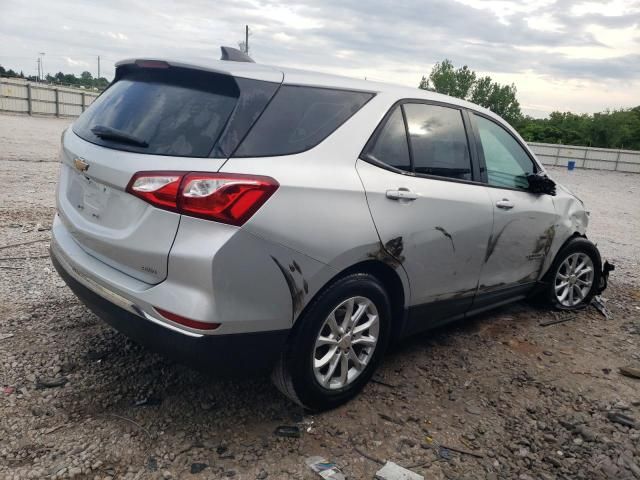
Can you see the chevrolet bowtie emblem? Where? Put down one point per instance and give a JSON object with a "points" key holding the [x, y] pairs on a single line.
{"points": [[81, 165]]}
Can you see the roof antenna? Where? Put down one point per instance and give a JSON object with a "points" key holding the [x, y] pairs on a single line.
{"points": [[234, 55]]}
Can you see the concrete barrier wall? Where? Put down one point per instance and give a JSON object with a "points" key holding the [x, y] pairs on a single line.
{"points": [[22, 96], [588, 157]]}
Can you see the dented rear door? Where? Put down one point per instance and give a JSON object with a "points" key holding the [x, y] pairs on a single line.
{"points": [[429, 212]]}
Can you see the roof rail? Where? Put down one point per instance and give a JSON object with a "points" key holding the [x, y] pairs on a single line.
{"points": [[234, 55]]}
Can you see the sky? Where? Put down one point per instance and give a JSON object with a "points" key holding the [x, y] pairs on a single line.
{"points": [[566, 55]]}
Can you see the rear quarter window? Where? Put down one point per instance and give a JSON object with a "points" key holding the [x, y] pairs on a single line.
{"points": [[298, 119]]}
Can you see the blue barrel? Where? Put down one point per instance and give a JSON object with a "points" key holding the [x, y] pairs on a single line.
{"points": [[571, 165]]}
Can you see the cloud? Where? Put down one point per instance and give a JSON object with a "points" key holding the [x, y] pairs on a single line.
{"points": [[562, 42]]}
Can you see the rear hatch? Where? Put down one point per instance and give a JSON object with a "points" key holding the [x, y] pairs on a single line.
{"points": [[155, 116]]}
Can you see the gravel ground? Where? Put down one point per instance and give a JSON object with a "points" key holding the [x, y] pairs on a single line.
{"points": [[78, 400]]}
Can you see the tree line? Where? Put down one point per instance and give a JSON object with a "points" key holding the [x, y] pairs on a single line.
{"points": [[608, 129], [85, 79]]}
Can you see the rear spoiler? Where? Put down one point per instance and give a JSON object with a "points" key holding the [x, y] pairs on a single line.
{"points": [[232, 67]]}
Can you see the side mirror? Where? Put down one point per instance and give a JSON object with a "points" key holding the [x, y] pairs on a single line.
{"points": [[540, 183]]}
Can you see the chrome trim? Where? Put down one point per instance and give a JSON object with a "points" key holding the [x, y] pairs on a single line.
{"points": [[110, 295]]}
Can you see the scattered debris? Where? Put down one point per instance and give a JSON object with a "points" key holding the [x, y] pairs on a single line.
{"points": [[391, 419], [628, 371], [11, 245], [622, 419], [392, 471], [325, 469], [148, 402], [377, 379], [54, 429], [4, 336], [598, 304], [368, 456], [132, 422], [290, 431], [556, 320], [50, 382], [8, 390]]}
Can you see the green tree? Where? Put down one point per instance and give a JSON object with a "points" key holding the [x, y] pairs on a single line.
{"points": [[464, 83]]}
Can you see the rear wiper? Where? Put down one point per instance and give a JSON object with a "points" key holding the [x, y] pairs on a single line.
{"points": [[110, 133]]}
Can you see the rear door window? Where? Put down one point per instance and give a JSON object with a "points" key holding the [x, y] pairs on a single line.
{"points": [[390, 145], [171, 111], [299, 118], [438, 141]]}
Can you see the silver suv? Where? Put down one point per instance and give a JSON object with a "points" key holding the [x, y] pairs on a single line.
{"points": [[237, 216]]}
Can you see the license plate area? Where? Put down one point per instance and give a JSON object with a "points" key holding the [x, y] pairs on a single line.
{"points": [[91, 197]]}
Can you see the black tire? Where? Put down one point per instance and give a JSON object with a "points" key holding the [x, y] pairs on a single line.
{"points": [[293, 374], [575, 245]]}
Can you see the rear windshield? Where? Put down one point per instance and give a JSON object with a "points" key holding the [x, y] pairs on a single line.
{"points": [[170, 111], [299, 118]]}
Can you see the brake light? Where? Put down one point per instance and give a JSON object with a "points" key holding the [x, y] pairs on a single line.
{"points": [[152, 64], [187, 322], [225, 198]]}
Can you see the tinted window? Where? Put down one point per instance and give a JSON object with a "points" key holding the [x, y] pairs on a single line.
{"points": [[254, 96], [507, 162], [298, 118], [175, 111], [438, 141], [390, 146]]}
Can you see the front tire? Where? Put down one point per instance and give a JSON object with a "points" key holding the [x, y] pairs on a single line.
{"points": [[336, 344], [574, 276]]}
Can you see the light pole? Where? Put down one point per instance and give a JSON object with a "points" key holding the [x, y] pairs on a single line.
{"points": [[42, 65]]}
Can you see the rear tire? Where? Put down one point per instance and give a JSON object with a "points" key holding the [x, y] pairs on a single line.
{"points": [[336, 344], [574, 276]]}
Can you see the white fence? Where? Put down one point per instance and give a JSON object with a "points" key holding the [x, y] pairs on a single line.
{"points": [[588, 157], [23, 96]]}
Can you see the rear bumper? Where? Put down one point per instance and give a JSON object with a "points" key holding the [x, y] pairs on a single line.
{"points": [[233, 353]]}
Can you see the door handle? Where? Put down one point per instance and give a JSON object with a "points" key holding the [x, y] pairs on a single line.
{"points": [[401, 194], [505, 204]]}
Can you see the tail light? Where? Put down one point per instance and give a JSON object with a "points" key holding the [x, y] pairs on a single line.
{"points": [[222, 197]]}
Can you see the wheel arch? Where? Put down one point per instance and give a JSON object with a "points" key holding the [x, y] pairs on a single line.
{"points": [[394, 281], [557, 251]]}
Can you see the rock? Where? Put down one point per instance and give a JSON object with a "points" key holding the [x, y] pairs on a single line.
{"points": [[74, 472], [410, 442], [198, 467], [392, 471], [632, 371], [621, 419], [291, 431], [473, 409], [51, 382], [586, 433], [262, 474]]}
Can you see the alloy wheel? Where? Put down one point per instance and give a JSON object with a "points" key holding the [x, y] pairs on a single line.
{"points": [[346, 343], [574, 279]]}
